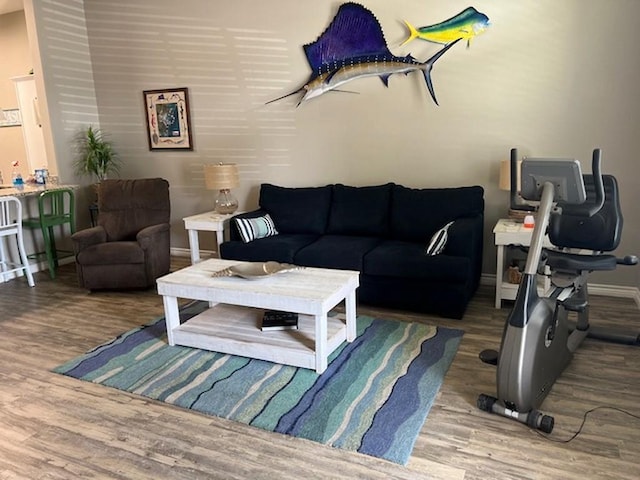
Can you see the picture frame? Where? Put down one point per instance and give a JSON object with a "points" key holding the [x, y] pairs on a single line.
{"points": [[168, 119], [10, 117]]}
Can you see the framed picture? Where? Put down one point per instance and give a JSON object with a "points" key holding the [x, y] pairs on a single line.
{"points": [[10, 117], [168, 122]]}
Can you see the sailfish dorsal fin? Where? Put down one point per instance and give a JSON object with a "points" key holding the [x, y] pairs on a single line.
{"points": [[353, 32]]}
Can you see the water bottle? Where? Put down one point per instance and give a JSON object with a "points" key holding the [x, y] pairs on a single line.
{"points": [[17, 179]]}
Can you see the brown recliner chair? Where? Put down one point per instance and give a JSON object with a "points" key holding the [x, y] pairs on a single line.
{"points": [[129, 247]]}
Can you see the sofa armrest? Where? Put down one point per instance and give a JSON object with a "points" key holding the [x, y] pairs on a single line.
{"points": [[234, 235], [87, 237], [465, 236], [148, 235]]}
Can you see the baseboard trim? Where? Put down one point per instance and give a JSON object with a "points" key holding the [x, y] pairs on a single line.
{"points": [[37, 267], [618, 291], [615, 291], [181, 252], [185, 252]]}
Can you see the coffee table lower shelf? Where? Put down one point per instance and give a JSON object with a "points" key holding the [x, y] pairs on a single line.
{"points": [[235, 330]]}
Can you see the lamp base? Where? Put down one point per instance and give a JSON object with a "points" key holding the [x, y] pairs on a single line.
{"points": [[519, 215], [226, 203]]}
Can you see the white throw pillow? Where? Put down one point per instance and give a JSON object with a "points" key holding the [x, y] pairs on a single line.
{"points": [[253, 228], [438, 241]]}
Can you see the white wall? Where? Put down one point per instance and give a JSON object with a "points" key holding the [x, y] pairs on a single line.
{"points": [[16, 61], [550, 78]]}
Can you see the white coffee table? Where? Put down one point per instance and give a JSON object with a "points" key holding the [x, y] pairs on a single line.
{"points": [[232, 323]]}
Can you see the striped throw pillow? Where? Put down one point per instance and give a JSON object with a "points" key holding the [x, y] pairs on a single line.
{"points": [[438, 241], [253, 228]]}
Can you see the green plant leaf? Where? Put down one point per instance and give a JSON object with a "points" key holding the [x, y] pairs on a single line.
{"points": [[95, 156]]}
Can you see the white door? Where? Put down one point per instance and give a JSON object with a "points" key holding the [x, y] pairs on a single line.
{"points": [[31, 123]]}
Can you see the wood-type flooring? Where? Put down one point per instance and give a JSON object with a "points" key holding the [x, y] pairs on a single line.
{"points": [[54, 427]]}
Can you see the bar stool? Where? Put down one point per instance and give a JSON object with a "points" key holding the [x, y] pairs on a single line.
{"points": [[55, 208], [10, 224]]}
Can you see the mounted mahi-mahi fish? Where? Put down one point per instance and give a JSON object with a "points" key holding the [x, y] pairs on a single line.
{"points": [[352, 47], [467, 24]]}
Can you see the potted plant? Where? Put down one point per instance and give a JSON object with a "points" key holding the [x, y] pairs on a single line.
{"points": [[95, 155]]}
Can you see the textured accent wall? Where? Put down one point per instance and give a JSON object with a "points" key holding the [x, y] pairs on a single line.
{"points": [[68, 76], [546, 78], [229, 68]]}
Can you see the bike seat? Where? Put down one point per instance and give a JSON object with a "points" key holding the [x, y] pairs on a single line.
{"points": [[602, 231], [575, 262]]}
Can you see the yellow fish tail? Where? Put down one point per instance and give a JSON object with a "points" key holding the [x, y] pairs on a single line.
{"points": [[413, 33]]}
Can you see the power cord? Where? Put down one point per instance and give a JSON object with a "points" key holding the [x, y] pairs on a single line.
{"points": [[584, 420]]}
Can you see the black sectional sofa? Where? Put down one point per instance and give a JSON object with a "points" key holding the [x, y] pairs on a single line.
{"points": [[382, 231]]}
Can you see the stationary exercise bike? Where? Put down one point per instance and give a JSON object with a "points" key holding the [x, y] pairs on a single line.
{"points": [[577, 212]]}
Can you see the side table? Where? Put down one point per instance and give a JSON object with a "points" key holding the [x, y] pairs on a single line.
{"points": [[208, 222], [508, 232]]}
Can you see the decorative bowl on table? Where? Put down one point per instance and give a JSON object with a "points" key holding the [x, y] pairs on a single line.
{"points": [[255, 270]]}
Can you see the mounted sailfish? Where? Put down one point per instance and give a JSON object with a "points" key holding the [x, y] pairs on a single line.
{"points": [[465, 25], [352, 47]]}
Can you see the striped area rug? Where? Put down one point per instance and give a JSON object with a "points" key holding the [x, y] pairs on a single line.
{"points": [[373, 398]]}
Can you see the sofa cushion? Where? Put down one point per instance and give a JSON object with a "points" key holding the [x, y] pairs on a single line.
{"points": [[416, 214], [360, 210], [336, 251], [280, 248], [394, 258], [127, 206], [297, 210], [254, 228]]}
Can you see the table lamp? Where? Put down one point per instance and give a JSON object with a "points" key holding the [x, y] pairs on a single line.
{"points": [[222, 177], [510, 181]]}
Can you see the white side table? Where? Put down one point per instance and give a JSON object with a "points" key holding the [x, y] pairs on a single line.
{"points": [[208, 222], [508, 232]]}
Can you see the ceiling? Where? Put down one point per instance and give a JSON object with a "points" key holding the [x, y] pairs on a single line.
{"points": [[8, 6]]}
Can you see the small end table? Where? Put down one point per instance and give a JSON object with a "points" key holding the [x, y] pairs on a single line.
{"points": [[509, 232], [208, 222]]}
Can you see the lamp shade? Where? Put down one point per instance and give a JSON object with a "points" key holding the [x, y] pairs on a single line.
{"points": [[222, 176], [505, 175]]}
